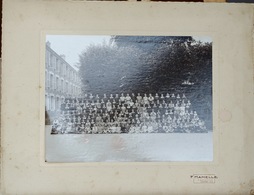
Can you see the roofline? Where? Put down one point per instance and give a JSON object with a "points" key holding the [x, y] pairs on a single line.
{"points": [[49, 48]]}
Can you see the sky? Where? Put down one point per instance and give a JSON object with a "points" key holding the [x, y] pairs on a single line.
{"points": [[73, 45]]}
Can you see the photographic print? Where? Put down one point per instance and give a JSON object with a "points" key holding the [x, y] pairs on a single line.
{"points": [[128, 98]]}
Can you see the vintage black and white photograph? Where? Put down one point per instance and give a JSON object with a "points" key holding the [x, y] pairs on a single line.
{"points": [[128, 98]]}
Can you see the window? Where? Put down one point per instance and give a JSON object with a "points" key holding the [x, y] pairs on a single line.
{"points": [[46, 103], [47, 59], [65, 68], [67, 72], [62, 85], [49, 102], [57, 83], [57, 103], [46, 78], [51, 60], [61, 68], [52, 103], [66, 87], [54, 62], [48, 84], [57, 65], [51, 81]]}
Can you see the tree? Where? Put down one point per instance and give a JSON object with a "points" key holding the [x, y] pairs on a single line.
{"points": [[106, 68]]}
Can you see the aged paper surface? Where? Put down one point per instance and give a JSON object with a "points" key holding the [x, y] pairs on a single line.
{"points": [[25, 24]]}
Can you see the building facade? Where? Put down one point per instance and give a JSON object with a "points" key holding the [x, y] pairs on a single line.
{"points": [[61, 80]]}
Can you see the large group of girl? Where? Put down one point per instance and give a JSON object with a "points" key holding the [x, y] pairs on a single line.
{"points": [[128, 113]]}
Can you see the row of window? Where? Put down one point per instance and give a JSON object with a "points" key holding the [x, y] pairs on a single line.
{"points": [[53, 103], [60, 85], [57, 65]]}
